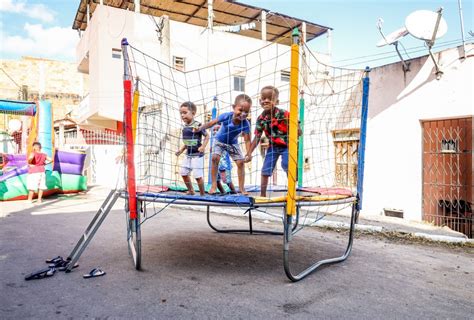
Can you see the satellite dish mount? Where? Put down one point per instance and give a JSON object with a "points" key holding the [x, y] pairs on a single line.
{"points": [[393, 39], [428, 26]]}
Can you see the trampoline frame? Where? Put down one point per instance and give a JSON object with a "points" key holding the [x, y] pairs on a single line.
{"points": [[290, 227], [291, 208]]}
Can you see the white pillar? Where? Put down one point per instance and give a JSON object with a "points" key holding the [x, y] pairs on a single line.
{"points": [[166, 41], [303, 31], [329, 32], [88, 12], [137, 5], [264, 25], [210, 14], [101, 2]]}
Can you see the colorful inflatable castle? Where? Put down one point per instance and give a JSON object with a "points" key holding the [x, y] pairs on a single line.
{"points": [[64, 176]]}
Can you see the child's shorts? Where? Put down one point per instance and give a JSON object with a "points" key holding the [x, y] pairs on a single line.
{"points": [[233, 149], [35, 181], [194, 165], [271, 158]]}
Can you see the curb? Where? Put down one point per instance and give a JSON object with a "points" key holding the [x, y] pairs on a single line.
{"points": [[337, 225]]}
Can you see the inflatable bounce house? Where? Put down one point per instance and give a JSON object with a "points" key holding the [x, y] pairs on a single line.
{"points": [[64, 175]]}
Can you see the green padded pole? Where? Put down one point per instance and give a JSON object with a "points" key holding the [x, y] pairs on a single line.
{"points": [[300, 141]]}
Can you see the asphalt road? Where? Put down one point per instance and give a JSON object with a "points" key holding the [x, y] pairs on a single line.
{"points": [[191, 272]]}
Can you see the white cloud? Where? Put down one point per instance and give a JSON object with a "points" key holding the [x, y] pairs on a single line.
{"points": [[35, 11], [54, 42]]}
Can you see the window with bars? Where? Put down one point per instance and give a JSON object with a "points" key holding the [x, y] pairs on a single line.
{"points": [[179, 63], [346, 147]]}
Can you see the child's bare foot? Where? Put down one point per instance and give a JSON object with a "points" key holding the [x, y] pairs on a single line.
{"points": [[190, 193], [245, 193], [212, 190]]}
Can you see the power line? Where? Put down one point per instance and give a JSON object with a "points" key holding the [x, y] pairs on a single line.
{"points": [[411, 51]]}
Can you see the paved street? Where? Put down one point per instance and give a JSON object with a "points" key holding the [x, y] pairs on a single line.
{"points": [[191, 272]]}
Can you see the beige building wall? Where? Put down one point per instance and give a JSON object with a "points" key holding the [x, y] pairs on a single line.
{"points": [[60, 82]]}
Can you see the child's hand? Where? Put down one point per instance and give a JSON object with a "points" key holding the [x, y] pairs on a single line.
{"points": [[178, 153], [247, 158], [201, 149]]}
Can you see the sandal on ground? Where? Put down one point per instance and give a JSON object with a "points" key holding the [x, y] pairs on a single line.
{"points": [[64, 267], [55, 259], [96, 272], [40, 274]]}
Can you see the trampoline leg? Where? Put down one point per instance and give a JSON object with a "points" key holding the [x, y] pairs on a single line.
{"points": [[135, 238], [286, 249], [250, 230], [92, 229]]}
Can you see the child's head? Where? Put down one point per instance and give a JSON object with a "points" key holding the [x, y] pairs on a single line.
{"points": [[187, 110], [242, 106], [269, 97], [36, 146]]}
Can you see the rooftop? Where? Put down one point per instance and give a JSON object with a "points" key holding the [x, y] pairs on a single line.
{"points": [[279, 26]]}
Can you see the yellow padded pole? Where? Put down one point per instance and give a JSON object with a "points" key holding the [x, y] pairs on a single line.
{"points": [[293, 126]]}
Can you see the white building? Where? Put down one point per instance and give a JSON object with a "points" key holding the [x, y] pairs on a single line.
{"points": [[174, 32], [419, 140]]}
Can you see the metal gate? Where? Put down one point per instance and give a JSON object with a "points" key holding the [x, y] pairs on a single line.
{"points": [[447, 174]]}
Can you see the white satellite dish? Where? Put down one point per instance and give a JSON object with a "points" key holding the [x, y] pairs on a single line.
{"points": [[14, 125], [426, 25], [392, 37]]}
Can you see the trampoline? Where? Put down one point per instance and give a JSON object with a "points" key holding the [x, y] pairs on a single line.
{"points": [[325, 161]]}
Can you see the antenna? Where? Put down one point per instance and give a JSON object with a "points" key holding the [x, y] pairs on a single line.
{"points": [[393, 38], [427, 26]]}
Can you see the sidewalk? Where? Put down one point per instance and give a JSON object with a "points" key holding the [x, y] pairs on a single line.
{"points": [[388, 226]]}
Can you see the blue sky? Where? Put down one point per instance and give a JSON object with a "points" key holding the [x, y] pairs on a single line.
{"points": [[43, 27]]}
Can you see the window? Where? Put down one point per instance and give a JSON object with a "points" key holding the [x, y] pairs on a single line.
{"points": [[179, 63], [116, 53], [239, 83], [285, 75], [449, 146], [346, 147]]}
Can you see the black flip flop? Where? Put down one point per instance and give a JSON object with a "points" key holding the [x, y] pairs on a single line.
{"points": [[40, 274], [64, 267], [96, 272], [54, 260]]}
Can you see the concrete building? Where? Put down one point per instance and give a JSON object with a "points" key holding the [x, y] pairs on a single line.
{"points": [[419, 140], [176, 33]]}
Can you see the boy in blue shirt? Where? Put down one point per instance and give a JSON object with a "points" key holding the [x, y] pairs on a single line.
{"points": [[194, 146], [232, 125]]}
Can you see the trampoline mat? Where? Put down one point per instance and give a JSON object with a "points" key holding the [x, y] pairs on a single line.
{"points": [[278, 194]]}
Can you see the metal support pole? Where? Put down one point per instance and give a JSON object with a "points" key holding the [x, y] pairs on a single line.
{"points": [[293, 125], [129, 154], [301, 141], [363, 135]]}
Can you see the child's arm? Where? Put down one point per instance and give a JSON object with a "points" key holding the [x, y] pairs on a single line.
{"points": [[208, 125], [48, 160], [202, 148], [253, 145], [30, 158], [248, 157], [181, 150]]}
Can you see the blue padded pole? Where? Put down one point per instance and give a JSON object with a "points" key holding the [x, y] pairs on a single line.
{"points": [[213, 116], [363, 134]]}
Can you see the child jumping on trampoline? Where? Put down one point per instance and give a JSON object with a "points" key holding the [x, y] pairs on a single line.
{"points": [[194, 146], [232, 125], [225, 170], [274, 122]]}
